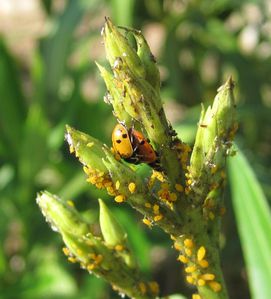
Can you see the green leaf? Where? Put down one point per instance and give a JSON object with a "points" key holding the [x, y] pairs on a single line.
{"points": [[6, 175], [254, 224], [34, 148], [57, 47], [12, 109], [120, 6], [47, 279]]}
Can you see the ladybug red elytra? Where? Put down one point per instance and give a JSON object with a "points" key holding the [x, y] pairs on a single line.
{"points": [[142, 148]]}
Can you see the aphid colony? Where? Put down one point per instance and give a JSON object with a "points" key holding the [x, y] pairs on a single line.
{"points": [[133, 147]]}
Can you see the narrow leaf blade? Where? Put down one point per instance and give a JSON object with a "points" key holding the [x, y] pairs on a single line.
{"points": [[254, 224]]}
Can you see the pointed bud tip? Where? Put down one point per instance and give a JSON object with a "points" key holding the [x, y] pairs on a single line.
{"points": [[229, 84]]}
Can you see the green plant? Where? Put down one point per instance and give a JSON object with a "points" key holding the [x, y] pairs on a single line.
{"points": [[183, 197]]}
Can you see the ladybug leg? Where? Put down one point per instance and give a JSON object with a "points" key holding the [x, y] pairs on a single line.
{"points": [[134, 160], [131, 136], [156, 166]]}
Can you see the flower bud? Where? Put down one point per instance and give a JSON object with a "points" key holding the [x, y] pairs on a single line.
{"points": [[147, 58], [61, 216], [215, 132], [112, 231], [86, 148], [117, 46], [114, 235]]}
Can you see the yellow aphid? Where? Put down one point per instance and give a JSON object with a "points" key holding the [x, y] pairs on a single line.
{"points": [[120, 198], [98, 259], [143, 288], [183, 259], [196, 296], [90, 180], [160, 192], [90, 267], [147, 222], [72, 150], [155, 209], [147, 205], [83, 137], [154, 287], [132, 187], [70, 203], [188, 243], [158, 217], [85, 168], [190, 269], [79, 251], [177, 246], [110, 190], [159, 176], [190, 279], [92, 255], [201, 253], [188, 251], [100, 173], [90, 144], [66, 251], [189, 182], [201, 282], [172, 196], [203, 263], [215, 286], [214, 169], [208, 276], [72, 259], [107, 184], [119, 247], [117, 185], [179, 187]]}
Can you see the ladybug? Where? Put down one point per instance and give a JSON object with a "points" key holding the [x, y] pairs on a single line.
{"points": [[143, 150], [122, 142], [133, 147]]}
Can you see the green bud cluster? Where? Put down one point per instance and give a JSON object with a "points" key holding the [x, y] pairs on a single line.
{"points": [[216, 129], [134, 92], [100, 256], [88, 149], [114, 235], [181, 198]]}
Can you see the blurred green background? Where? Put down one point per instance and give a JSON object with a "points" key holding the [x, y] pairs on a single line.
{"points": [[48, 78]]}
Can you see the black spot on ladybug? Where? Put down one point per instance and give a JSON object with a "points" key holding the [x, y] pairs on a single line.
{"points": [[142, 142], [124, 135], [118, 141]]}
